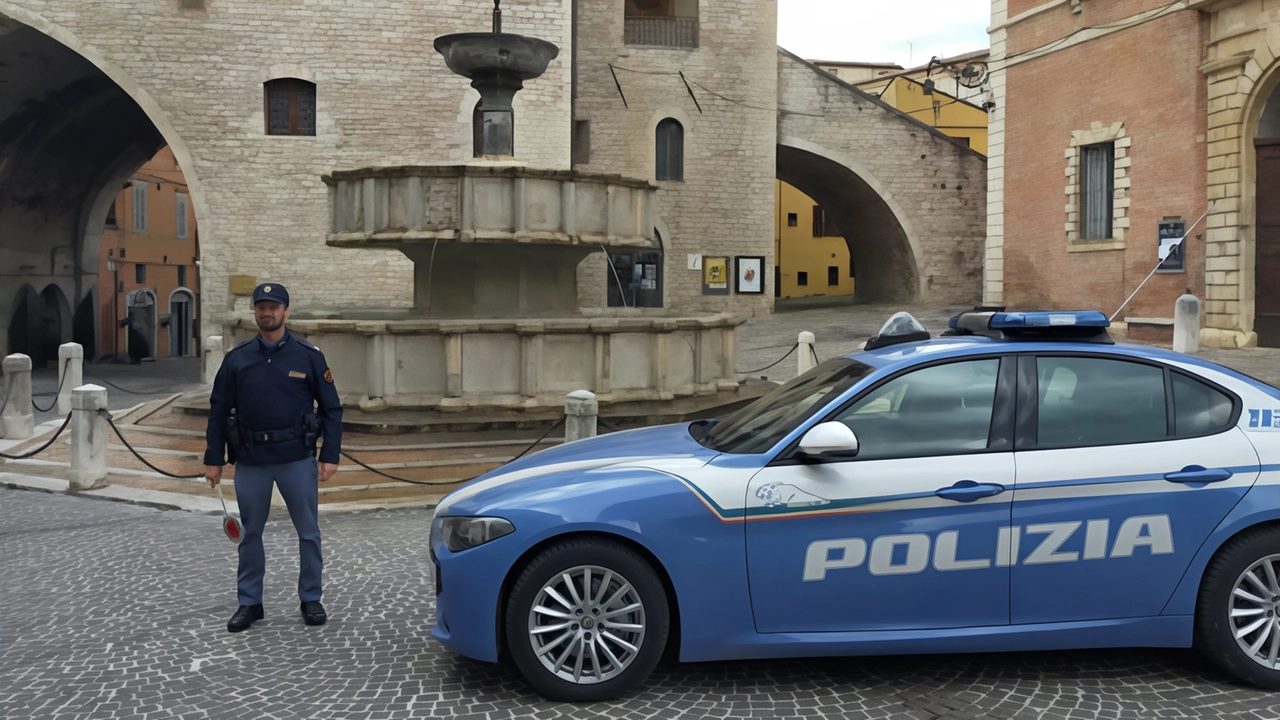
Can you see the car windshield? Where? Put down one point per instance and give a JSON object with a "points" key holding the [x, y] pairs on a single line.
{"points": [[759, 426]]}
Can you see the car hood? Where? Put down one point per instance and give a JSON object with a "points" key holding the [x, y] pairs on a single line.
{"points": [[630, 447]]}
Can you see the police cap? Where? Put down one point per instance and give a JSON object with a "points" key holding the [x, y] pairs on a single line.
{"points": [[271, 291]]}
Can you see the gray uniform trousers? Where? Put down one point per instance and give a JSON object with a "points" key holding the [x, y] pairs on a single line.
{"points": [[299, 487]]}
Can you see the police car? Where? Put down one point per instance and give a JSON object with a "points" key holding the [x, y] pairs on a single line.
{"points": [[1019, 483]]}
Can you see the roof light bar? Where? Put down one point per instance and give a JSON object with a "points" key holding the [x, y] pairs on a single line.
{"points": [[1070, 318]]}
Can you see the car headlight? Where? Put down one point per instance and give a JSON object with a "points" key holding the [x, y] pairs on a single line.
{"points": [[462, 533]]}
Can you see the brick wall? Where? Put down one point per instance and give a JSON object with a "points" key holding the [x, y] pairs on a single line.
{"points": [[1158, 98]]}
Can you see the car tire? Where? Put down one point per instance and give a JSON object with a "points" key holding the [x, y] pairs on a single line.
{"points": [[573, 646], [1222, 613]]}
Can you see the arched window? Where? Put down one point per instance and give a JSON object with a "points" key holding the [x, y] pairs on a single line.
{"points": [[291, 107], [670, 148]]}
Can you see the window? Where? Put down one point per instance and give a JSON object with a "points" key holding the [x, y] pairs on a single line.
{"points": [[802, 278], [833, 275], [670, 150], [793, 220], [661, 23], [139, 206], [1097, 190], [291, 107], [182, 276], [1199, 409], [852, 270], [1093, 401], [938, 410], [180, 213], [637, 282], [819, 222], [581, 149], [140, 273], [111, 216], [759, 426]]}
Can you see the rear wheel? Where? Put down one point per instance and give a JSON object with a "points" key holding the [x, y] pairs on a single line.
{"points": [[1238, 613], [587, 620]]}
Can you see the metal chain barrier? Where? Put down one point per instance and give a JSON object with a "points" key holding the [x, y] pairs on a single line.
{"points": [[814, 351], [524, 452], [107, 414], [61, 381], [43, 447], [766, 367], [124, 390], [608, 425]]}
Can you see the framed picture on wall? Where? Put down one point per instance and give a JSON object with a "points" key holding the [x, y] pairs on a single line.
{"points": [[748, 274], [715, 275]]}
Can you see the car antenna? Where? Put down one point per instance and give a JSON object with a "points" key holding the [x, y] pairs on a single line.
{"points": [[1157, 267]]}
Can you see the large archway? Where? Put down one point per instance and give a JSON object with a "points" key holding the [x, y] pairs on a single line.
{"points": [[1266, 260], [879, 245], [73, 133]]}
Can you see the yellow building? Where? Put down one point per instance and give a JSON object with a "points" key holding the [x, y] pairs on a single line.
{"points": [[812, 257]]}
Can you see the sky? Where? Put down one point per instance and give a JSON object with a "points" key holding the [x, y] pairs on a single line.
{"points": [[880, 30]]}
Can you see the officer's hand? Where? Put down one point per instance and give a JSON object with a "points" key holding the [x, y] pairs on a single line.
{"points": [[213, 474], [327, 470]]}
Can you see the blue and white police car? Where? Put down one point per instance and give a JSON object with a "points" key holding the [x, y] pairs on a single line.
{"points": [[1020, 483]]}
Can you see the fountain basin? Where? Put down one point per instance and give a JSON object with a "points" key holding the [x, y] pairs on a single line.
{"points": [[481, 54]]}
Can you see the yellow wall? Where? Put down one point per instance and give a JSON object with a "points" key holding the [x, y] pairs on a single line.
{"points": [[797, 250], [953, 117]]}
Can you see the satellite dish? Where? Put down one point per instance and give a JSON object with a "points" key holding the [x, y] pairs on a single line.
{"points": [[973, 75]]}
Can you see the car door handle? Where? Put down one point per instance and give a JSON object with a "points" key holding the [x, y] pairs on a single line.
{"points": [[1198, 474], [968, 491]]}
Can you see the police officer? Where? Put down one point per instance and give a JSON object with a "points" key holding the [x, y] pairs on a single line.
{"points": [[272, 400]]}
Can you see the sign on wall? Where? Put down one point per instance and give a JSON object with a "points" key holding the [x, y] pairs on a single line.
{"points": [[748, 274], [715, 275]]}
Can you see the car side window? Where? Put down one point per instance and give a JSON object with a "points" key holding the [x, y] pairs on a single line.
{"points": [[1199, 409], [1097, 401], [938, 410]]}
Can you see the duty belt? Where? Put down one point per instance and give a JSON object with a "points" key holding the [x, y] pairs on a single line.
{"points": [[272, 436]]}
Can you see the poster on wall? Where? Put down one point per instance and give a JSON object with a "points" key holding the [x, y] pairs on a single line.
{"points": [[749, 274], [715, 275]]}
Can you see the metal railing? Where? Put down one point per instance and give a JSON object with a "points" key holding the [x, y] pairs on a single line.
{"points": [[680, 32]]}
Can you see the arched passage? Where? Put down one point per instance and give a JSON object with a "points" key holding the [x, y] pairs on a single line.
{"points": [[74, 130], [1266, 261], [881, 248]]}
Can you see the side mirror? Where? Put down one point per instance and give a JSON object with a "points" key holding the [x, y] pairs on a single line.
{"points": [[828, 441]]}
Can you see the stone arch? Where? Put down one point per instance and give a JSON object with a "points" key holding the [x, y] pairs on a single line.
{"points": [[877, 230], [1261, 108], [67, 204]]}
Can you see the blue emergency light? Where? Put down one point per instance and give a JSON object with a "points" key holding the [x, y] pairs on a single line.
{"points": [[1070, 318], [1053, 326]]}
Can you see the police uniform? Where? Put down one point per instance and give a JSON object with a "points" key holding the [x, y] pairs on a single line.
{"points": [[270, 404]]}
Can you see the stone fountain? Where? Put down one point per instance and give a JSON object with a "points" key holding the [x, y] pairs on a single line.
{"points": [[496, 247]]}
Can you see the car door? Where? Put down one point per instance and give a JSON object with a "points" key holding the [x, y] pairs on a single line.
{"points": [[1123, 470], [907, 534]]}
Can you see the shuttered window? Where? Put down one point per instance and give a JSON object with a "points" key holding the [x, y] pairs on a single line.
{"points": [[180, 212], [670, 147], [139, 206], [291, 107], [1097, 190]]}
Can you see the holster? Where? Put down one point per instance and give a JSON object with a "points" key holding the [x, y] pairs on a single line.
{"points": [[311, 428], [233, 437]]}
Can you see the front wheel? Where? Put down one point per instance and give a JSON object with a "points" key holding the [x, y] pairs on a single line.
{"points": [[1238, 613], [587, 620]]}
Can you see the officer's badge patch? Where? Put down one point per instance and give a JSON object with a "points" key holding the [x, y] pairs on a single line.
{"points": [[266, 289], [328, 375], [296, 374]]}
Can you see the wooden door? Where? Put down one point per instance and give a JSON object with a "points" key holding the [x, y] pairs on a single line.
{"points": [[1267, 265]]}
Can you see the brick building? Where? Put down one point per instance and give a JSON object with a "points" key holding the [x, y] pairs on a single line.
{"points": [[1148, 111]]}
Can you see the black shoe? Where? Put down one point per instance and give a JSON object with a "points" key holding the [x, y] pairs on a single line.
{"points": [[313, 612], [244, 617]]}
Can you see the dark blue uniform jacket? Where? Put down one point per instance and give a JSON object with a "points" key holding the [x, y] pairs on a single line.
{"points": [[272, 388]]}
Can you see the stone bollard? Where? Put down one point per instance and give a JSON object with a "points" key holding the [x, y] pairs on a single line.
{"points": [[1186, 325], [88, 437], [213, 354], [581, 413], [70, 374], [18, 420], [804, 362]]}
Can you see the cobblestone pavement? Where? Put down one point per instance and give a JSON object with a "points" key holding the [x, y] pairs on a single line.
{"points": [[110, 610]]}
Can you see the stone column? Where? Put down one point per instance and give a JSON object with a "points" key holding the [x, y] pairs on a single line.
{"points": [[18, 420], [88, 437], [70, 373], [213, 354], [804, 361], [581, 412], [1186, 325]]}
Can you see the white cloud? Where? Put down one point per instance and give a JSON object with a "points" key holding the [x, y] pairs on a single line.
{"points": [[879, 30]]}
